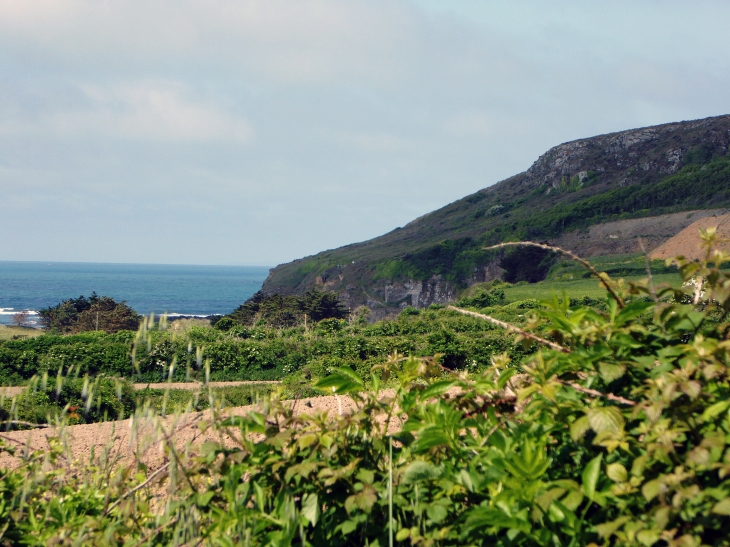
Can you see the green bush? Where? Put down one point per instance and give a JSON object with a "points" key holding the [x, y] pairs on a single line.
{"points": [[96, 313], [617, 432], [79, 400]]}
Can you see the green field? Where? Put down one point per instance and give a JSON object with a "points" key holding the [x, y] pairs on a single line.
{"points": [[8, 333], [576, 288]]}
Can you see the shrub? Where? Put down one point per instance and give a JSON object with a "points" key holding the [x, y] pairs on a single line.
{"points": [[617, 432], [89, 314]]}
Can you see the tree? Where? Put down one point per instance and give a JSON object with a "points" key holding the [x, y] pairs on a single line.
{"points": [[276, 310], [89, 314], [20, 319], [320, 305]]}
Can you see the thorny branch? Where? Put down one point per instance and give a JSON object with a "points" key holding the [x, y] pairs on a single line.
{"points": [[512, 328]]}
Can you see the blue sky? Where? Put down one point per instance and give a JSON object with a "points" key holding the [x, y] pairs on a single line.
{"points": [[245, 132]]}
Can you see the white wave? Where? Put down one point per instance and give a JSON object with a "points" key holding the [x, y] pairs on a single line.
{"points": [[13, 311], [187, 315]]}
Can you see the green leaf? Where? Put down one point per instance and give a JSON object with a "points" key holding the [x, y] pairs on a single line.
{"points": [[505, 377], [348, 373], [637, 468], [348, 526], [611, 371], [366, 476], [607, 529], [430, 437], [650, 490], [210, 447], [403, 534], [421, 471], [590, 476], [342, 381], [617, 472], [722, 507], [632, 311], [482, 517], [573, 500], [648, 537], [375, 382], [579, 427], [364, 499], [437, 388], [715, 410], [436, 513], [204, 498], [605, 418], [307, 440], [310, 508]]}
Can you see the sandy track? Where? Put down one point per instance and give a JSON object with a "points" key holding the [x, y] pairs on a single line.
{"points": [[191, 386], [87, 437]]}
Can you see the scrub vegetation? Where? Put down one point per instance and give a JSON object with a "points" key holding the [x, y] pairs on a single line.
{"points": [[610, 425]]}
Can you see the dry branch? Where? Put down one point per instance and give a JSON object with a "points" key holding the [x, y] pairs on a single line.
{"points": [[512, 328], [594, 393]]}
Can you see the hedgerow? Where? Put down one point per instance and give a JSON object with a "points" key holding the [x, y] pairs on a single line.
{"points": [[255, 353]]}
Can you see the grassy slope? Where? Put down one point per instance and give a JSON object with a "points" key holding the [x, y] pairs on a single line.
{"points": [[576, 288], [7, 332], [449, 241]]}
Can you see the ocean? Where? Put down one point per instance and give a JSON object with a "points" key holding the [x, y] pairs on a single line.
{"points": [[158, 288]]}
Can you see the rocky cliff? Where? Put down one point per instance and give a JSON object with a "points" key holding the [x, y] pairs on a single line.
{"points": [[649, 173]]}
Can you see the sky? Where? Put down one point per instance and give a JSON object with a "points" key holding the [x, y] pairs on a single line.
{"points": [[258, 132]]}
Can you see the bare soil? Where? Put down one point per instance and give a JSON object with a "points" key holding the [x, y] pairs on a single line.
{"points": [[687, 243], [127, 436], [622, 236]]}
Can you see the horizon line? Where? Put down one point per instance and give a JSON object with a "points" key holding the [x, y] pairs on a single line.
{"points": [[135, 263]]}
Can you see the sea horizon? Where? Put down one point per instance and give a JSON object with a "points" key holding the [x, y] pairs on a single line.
{"points": [[174, 289]]}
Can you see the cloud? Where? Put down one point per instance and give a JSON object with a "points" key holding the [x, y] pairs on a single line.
{"points": [[160, 111], [156, 111], [276, 128], [300, 41]]}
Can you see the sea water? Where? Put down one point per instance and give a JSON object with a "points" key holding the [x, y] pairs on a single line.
{"points": [[158, 288]]}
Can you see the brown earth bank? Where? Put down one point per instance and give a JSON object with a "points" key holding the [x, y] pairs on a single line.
{"points": [[622, 236], [687, 243]]}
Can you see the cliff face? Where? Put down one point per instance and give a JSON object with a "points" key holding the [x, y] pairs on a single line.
{"points": [[562, 197], [624, 157]]}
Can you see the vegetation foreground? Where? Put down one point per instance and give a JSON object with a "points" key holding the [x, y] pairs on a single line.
{"points": [[611, 427]]}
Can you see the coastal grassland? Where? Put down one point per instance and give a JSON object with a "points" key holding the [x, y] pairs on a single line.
{"points": [[576, 288], [450, 241], [8, 332], [574, 280]]}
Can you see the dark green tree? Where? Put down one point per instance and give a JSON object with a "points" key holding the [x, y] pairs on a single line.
{"points": [[88, 314]]}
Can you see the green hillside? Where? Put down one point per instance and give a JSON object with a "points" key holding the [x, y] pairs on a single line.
{"points": [[637, 173]]}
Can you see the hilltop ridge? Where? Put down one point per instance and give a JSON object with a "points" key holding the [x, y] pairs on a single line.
{"points": [[644, 173]]}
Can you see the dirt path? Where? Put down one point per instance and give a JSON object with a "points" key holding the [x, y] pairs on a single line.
{"points": [[128, 436], [191, 386]]}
